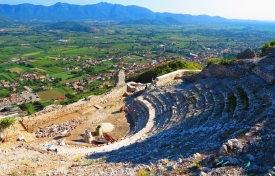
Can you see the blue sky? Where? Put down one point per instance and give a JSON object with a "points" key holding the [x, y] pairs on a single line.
{"points": [[232, 9]]}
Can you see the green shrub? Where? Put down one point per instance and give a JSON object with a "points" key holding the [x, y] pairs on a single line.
{"points": [[196, 166], [7, 122], [267, 45], [219, 61], [90, 162]]}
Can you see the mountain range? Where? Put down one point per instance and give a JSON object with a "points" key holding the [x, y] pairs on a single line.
{"points": [[106, 11], [100, 11]]}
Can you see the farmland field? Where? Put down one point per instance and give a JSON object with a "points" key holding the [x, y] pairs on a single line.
{"points": [[54, 57], [6, 76], [54, 93]]}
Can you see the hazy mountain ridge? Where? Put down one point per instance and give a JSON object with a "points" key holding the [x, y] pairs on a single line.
{"points": [[100, 11]]}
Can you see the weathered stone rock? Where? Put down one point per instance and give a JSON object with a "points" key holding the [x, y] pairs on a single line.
{"points": [[229, 145], [88, 138], [233, 161], [250, 157], [208, 161], [223, 149], [197, 155], [206, 169], [270, 52], [247, 54]]}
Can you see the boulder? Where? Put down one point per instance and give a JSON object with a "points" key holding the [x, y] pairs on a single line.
{"points": [[250, 157], [208, 161], [223, 149], [247, 54], [233, 161], [229, 145]]}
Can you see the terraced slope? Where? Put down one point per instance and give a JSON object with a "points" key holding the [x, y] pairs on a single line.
{"points": [[223, 113]]}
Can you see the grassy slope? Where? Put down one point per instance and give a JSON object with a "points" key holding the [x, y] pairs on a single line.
{"points": [[165, 68]]}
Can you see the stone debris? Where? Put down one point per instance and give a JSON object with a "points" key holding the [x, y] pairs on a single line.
{"points": [[54, 130]]}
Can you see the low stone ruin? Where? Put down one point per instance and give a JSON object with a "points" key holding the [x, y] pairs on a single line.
{"points": [[53, 106], [247, 54], [58, 129], [173, 77], [120, 78], [135, 87]]}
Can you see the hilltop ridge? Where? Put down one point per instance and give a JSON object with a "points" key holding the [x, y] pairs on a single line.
{"points": [[100, 11]]}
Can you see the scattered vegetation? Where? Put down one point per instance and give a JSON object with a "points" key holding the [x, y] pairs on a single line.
{"points": [[219, 61], [7, 122], [104, 158], [267, 45], [89, 162], [78, 159], [29, 172], [191, 72], [25, 162], [142, 172], [196, 166]]}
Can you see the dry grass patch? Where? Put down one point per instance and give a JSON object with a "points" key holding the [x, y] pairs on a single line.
{"points": [[16, 69]]}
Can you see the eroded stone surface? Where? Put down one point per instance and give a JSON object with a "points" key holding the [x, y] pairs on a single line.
{"points": [[247, 54]]}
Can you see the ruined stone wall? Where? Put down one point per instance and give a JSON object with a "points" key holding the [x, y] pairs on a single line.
{"points": [[50, 114], [134, 87], [164, 79], [120, 78]]}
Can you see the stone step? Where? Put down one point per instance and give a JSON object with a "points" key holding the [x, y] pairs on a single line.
{"points": [[27, 136]]}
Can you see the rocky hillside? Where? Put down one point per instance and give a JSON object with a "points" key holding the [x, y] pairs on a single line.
{"points": [[217, 122]]}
